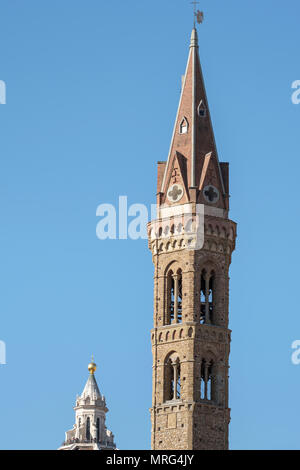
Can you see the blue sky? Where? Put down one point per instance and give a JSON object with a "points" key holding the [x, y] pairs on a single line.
{"points": [[92, 93]]}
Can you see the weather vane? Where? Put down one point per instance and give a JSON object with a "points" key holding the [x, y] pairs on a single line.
{"points": [[198, 15]]}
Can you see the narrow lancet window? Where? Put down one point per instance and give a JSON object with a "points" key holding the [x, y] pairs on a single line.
{"points": [[169, 380], [183, 128], [174, 301], [201, 109], [170, 299], [206, 392], [207, 287], [98, 430], [172, 379], [88, 429]]}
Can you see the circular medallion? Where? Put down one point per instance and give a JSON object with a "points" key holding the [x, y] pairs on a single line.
{"points": [[211, 194], [175, 193]]}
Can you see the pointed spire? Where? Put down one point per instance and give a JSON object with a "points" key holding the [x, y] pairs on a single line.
{"points": [[194, 47], [193, 141], [91, 388]]}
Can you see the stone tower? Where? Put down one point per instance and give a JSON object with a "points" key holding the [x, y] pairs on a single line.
{"points": [[89, 431], [191, 240]]}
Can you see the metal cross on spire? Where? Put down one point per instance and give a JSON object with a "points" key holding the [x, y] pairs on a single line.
{"points": [[197, 14]]}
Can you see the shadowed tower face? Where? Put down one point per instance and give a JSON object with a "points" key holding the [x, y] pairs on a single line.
{"points": [[191, 241]]}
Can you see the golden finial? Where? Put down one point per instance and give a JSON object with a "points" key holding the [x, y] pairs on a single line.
{"points": [[92, 366]]}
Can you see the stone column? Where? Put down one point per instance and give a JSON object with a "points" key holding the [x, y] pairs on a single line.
{"points": [[207, 317], [94, 429], [175, 375], [205, 380], [175, 277]]}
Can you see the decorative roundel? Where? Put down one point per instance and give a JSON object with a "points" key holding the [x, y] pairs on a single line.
{"points": [[211, 194], [175, 193]]}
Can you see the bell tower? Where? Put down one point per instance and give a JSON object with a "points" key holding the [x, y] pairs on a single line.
{"points": [[89, 431], [191, 240]]}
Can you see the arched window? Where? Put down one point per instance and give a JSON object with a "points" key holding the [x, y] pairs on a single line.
{"points": [[88, 429], [170, 299], [206, 392], [174, 300], [207, 289], [201, 109], [172, 385], [98, 430], [169, 380], [183, 128]]}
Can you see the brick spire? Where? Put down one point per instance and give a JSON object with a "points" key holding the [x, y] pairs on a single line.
{"points": [[193, 161]]}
